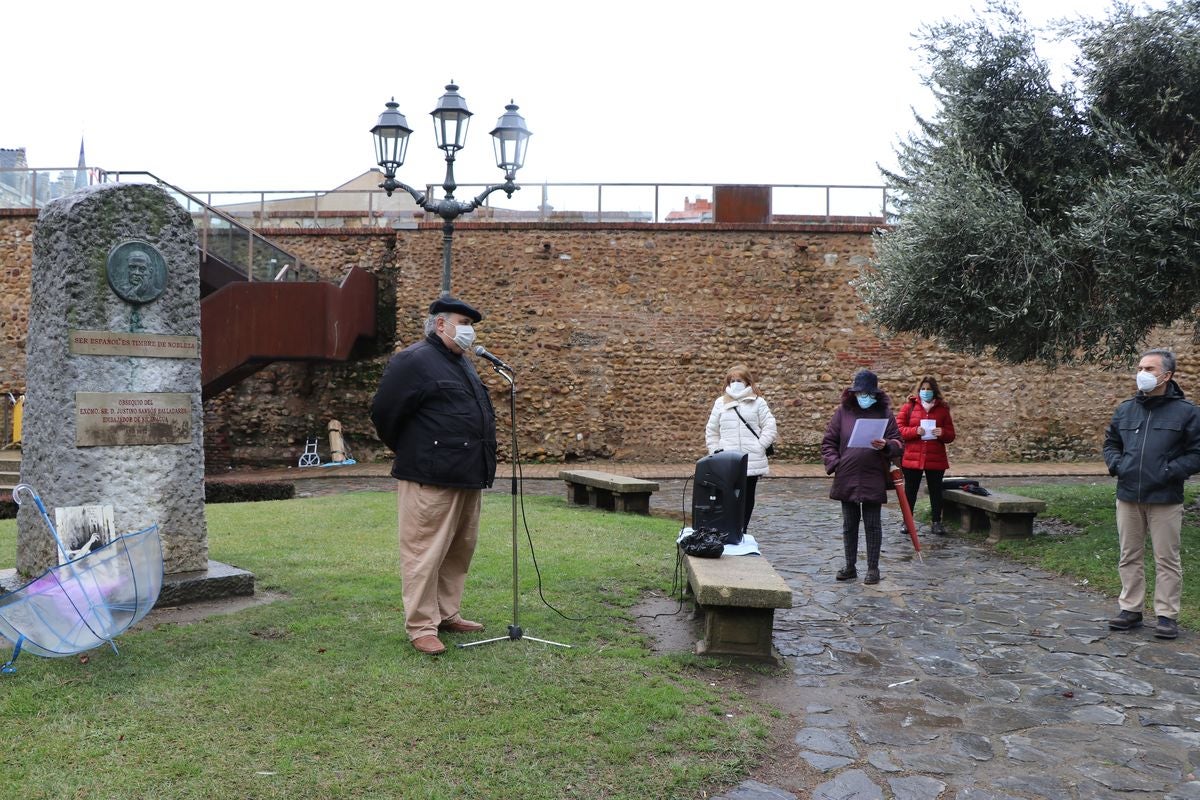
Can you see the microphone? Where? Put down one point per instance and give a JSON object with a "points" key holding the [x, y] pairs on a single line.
{"points": [[482, 353]]}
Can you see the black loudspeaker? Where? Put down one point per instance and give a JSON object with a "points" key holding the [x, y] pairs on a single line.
{"points": [[719, 494]]}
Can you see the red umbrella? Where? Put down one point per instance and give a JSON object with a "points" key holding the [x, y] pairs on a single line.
{"points": [[909, 522]]}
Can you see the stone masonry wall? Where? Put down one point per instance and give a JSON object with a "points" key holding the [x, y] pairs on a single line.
{"points": [[622, 334], [16, 261]]}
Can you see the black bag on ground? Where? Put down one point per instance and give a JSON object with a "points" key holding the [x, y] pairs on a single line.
{"points": [[703, 543]]}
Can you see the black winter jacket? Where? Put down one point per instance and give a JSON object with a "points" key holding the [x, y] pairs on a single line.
{"points": [[434, 413], [1152, 445]]}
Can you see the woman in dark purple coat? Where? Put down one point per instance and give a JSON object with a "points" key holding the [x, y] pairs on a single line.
{"points": [[861, 474]]}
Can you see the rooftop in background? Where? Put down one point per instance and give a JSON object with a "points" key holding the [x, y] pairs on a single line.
{"points": [[360, 203]]}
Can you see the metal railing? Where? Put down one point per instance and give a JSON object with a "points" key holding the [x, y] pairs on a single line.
{"points": [[677, 203], [222, 235], [671, 203]]}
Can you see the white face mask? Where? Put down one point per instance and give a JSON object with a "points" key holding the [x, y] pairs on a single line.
{"points": [[735, 388], [464, 336], [1146, 381]]}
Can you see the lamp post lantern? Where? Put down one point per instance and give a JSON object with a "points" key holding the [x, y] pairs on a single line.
{"points": [[450, 121]]}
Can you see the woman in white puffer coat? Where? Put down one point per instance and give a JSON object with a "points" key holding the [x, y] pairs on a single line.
{"points": [[742, 420]]}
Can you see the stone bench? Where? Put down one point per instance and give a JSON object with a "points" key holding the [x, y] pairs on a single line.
{"points": [[607, 491], [738, 596], [1002, 516]]}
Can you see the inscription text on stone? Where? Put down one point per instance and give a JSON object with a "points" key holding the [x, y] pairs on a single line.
{"points": [[140, 345], [106, 419]]}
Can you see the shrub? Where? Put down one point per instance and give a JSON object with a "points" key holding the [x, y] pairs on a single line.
{"points": [[248, 491]]}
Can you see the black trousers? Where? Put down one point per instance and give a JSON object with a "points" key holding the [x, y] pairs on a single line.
{"points": [[872, 527], [912, 484], [751, 484]]}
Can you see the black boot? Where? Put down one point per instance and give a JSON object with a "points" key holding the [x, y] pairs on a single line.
{"points": [[1126, 620]]}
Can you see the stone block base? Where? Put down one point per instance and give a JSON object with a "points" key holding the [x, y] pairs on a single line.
{"points": [[739, 633], [9, 581], [216, 582]]}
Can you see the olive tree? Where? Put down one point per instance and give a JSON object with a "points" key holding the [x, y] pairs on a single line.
{"points": [[1041, 222]]}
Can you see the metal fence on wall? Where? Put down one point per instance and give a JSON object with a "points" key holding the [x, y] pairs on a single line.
{"points": [[677, 203]]}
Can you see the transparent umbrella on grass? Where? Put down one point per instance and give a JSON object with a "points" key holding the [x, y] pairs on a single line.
{"points": [[85, 601]]}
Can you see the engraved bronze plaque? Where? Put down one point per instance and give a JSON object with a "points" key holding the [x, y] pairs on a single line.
{"points": [[139, 345], [106, 419], [137, 272]]}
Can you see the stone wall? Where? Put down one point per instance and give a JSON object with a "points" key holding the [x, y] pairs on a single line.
{"points": [[16, 261], [623, 333]]}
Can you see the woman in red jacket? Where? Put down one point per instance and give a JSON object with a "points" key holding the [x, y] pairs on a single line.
{"points": [[926, 427]]}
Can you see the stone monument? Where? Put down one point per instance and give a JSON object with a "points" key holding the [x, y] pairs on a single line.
{"points": [[113, 413]]}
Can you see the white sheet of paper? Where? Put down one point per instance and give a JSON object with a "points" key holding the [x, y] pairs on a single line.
{"points": [[928, 425], [866, 431], [748, 547]]}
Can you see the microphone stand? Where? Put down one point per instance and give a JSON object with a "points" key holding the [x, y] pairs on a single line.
{"points": [[514, 630]]}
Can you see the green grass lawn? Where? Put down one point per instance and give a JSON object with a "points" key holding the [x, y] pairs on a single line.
{"points": [[319, 694], [1090, 553]]}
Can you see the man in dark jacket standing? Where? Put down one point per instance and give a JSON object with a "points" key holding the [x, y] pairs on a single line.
{"points": [[1152, 446], [434, 413]]}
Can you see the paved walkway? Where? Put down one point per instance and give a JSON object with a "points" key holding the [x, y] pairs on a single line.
{"points": [[962, 676], [968, 676]]}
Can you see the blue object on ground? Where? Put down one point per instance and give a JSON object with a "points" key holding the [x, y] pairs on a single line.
{"points": [[86, 601]]}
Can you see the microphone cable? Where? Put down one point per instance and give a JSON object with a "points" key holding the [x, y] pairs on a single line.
{"points": [[677, 581], [529, 538], [516, 456]]}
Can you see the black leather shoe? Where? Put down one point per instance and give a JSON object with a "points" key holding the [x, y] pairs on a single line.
{"points": [[872, 577], [1126, 621], [939, 529], [1166, 628], [847, 574]]}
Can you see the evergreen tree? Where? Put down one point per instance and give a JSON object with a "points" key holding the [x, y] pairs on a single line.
{"points": [[1040, 222]]}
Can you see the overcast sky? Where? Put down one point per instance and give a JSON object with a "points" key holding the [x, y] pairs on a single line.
{"points": [[281, 95]]}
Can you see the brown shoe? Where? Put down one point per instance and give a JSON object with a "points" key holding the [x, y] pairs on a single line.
{"points": [[429, 645], [461, 626]]}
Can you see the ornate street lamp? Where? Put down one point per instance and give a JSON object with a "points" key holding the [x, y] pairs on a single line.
{"points": [[450, 121]]}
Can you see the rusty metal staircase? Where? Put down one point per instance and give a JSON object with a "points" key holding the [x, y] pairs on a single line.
{"points": [[260, 304]]}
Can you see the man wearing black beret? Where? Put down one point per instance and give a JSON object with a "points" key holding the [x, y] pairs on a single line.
{"points": [[434, 413]]}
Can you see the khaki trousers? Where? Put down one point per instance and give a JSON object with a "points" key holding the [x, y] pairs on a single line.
{"points": [[438, 527], [1163, 522]]}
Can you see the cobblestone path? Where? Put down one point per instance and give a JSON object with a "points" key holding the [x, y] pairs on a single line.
{"points": [[969, 676]]}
